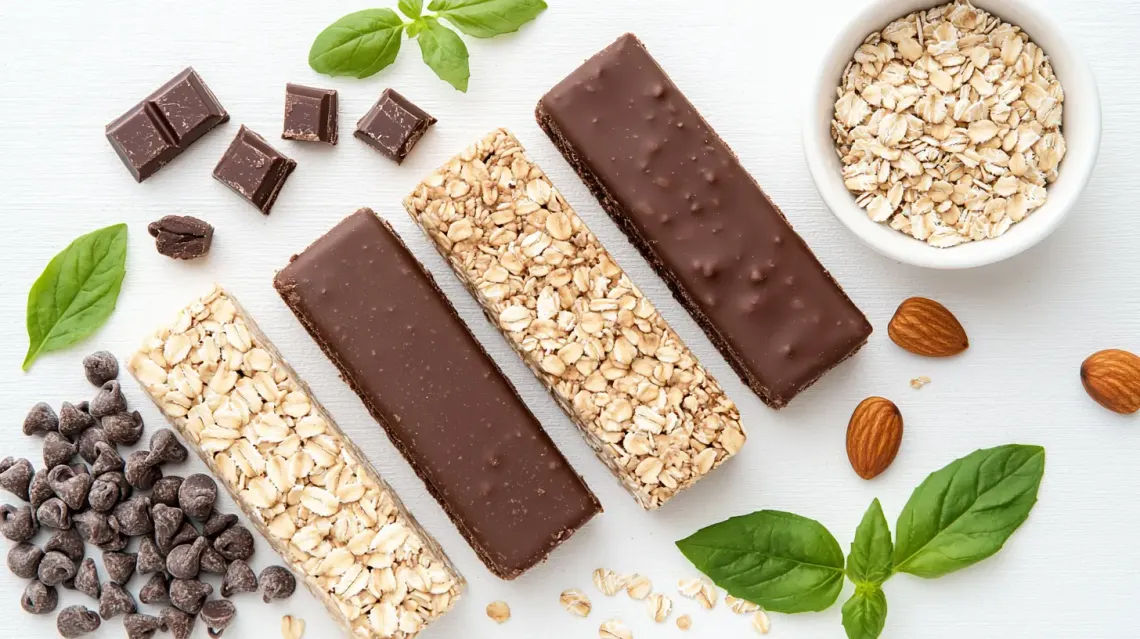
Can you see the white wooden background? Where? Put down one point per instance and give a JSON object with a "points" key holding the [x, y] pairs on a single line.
{"points": [[69, 67]]}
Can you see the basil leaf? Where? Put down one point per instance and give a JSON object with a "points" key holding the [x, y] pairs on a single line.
{"points": [[865, 613], [445, 53], [965, 512], [869, 562], [359, 44], [783, 562], [488, 18], [77, 291], [411, 8], [416, 27]]}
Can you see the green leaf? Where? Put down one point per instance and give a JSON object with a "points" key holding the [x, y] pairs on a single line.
{"points": [[77, 291], [411, 8], [783, 562], [965, 512], [869, 562], [865, 613], [445, 53], [359, 44], [488, 18], [416, 27]]}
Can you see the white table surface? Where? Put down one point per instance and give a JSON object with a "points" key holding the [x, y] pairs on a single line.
{"points": [[69, 67]]}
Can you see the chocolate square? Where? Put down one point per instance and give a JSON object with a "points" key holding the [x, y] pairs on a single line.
{"points": [[393, 125], [310, 114], [253, 169]]}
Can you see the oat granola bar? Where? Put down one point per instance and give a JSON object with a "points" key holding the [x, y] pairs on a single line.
{"points": [[637, 393], [303, 484]]}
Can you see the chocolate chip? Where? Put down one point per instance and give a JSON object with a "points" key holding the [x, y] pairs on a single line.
{"points": [[107, 459], [93, 527], [180, 624], [212, 562], [155, 590], [100, 367], [197, 495], [69, 486], [120, 566], [276, 583], [132, 517], [76, 621], [67, 542], [239, 578], [181, 237], [217, 614], [123, 428], [87, 579], [116, 543], [139, 472], [150, 559], [184, 561], [16, 476], [185, 535], [120, 481], [108, 401], [188, 595], [40, 490], [165, 490], [167, 521], [54, 513], [139, 626], [115, 601], [87, 441], [165, 448], [18, 524], [41, 420], [218, 523], [39, 598], [55, 568], [235, 543], [103, 495], [74, 420], [24, 559], [57, 450]]}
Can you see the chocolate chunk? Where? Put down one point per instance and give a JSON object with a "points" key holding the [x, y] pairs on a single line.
{"points": [[132, 517], [123, 428], [39, 598], [239, 578], [150, 559], [87, 579], [120, 566], [115, 601], [108, 459], [140, 473], [108, 401], [55, 568], [76, 621], [16, 477], [139, 626], [311, 115], [218, 523], [235, 543], [87, 443], [40, 490], [24, 560], [57, 450], [165, 490], [180, 624], [156, 590], [72, 488], [217, 614], [188, 595], [166, 123], [184, 562], [254, 170], [73, 421], [393, 125], [212, 561], [18, 524], [68, 542], [196, 496], [167, 522], [100, 367], [165, 448], [181, 237], [54, 513], [94, 527], [41, 420], [276, 583]]}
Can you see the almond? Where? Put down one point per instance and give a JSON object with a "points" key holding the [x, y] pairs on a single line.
{"points": [[925, 327], [873, 436], [1112, 378]]}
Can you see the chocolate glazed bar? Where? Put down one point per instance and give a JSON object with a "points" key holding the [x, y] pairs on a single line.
{"points": [[703, 223], [379, 316]]}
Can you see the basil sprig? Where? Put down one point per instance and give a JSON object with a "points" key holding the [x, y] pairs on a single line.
{"points": [[362, 43], [957, 517]]}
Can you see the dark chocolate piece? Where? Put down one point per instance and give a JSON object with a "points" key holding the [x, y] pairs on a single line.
{"points": [[161, 127], [459, 422], [393, 125], [181, 237], [253, 169], [310, 114], [703, 223]]}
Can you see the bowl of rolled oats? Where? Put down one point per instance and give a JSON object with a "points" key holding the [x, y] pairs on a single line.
{"points": [[948, 136]]}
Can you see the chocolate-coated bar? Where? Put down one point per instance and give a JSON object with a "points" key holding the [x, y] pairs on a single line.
{"points": [[703, 223], [254, 170], [400, 345], [166, 123]]}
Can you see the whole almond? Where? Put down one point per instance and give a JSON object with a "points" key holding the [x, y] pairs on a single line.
{"points": [[873, 436], [1112, 378], [925, 327]]}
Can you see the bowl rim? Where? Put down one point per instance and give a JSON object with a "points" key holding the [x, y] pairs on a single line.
{"points": [[1082, 112]]}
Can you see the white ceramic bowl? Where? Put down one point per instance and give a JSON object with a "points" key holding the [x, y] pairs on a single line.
{"points": [[1081, 127]]}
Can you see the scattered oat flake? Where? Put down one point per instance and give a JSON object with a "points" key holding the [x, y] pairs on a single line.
{"points": [[660, 607], [609, 582], [760, 622], [684, 622], [700, 589], [919, 382], [740, 606], [638, 587], [499, 611], [575, 602], [614, 629], [292, 627]]}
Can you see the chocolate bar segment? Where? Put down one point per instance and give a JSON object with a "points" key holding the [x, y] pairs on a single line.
{"points": [[399, 344], [166, 123], [254, 170], [646, 406], [393, 125], [703, 223], [311, 115], [303, 484]]}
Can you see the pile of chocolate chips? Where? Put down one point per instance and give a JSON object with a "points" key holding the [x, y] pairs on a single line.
{"points": [[103, 501]]}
